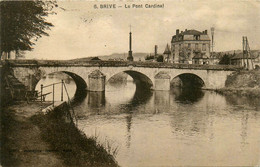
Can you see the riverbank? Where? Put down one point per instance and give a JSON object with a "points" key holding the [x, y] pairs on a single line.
{"points": [[30, 138], [21, 144], [244, 83]]}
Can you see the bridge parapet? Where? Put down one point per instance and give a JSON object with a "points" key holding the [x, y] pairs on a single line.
{"points": [[30, 72], [96, 63]]}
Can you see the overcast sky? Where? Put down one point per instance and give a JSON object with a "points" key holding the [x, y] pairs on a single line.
{"points": [[82, 31]]}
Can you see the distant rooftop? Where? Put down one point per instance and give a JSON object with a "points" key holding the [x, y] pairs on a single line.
{"points": [[180, 34], [240, 56], [191, 32]]}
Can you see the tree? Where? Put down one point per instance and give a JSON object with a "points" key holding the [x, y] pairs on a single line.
{"points": [[159, 58], [225, 59], [149, 57], [184, 54], [22, 23]]}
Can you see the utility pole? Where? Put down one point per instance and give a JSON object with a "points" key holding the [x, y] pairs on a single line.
{"points": [[247, 52], [244, 63], [247, 61], [212, 40]]}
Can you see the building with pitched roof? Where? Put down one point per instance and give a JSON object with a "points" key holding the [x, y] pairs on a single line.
{"points": [[189, 43], [244, 60]]}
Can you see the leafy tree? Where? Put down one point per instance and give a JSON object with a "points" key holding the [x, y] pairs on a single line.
{"points": [[149, 57], [184, 54], [160, 58], [22, 23], [225, 59]]}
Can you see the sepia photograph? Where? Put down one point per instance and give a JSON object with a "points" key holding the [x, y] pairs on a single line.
{"points": [[129, 83]]}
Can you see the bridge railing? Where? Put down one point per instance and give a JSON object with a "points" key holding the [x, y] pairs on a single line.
{"points": [[63, 86], [111, 63]]}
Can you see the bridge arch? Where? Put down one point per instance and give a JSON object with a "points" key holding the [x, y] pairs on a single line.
{"points": [[188, 80], [80, 83], [141, 80]]}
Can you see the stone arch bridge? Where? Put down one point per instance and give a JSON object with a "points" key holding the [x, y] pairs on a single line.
{"points": [[93, 75]]}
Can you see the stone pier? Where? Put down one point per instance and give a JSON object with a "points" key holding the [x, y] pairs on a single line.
{"points": [[96, 81], [162, 81]]}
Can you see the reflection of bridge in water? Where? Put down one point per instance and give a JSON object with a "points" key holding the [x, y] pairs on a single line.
{"points": [[93, 75]]}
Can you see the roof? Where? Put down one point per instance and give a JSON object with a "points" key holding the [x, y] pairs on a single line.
{"points": [[95, 58], [200, 56], [191, 32], [240, 56], [188, 32]]}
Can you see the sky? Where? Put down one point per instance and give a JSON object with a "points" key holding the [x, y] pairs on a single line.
{"points": [[80, 30]]}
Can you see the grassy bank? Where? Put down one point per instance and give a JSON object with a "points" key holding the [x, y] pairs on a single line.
{"points": [[8, 153], [249, 92], [72, 146], [21, 143], [244, 83]]}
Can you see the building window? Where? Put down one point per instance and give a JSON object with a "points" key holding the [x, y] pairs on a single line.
{"points": [[179, 46], [196, 37], [204, 47], [189, 45], [196, 46]]}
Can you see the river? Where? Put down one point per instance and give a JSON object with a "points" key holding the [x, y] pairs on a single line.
{"points": [[180, 127]]}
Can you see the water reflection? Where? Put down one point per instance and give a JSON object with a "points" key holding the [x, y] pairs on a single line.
{"points": [[140, 97], [128, 126], [96, 99], [173, 128], [243, 101], [244, 129], [187, 95], [162, 98], [163, 128]]}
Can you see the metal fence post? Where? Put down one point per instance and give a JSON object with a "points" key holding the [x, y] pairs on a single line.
{"points": [[61, 90], [41, 91], [53, 95]]}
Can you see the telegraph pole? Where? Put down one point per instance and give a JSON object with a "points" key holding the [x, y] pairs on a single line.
{"points": [[246, 52], [249, 52], [244, 63], [247, 61], [212, 40]]}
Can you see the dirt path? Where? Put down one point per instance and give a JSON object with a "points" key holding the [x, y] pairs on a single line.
{"points": [[21, 139]]}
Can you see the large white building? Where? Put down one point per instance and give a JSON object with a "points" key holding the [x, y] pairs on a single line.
{"points": [[186, 45]]}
